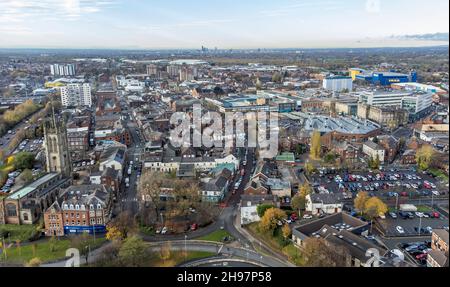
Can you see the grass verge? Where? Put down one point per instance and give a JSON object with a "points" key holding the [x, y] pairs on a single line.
{"points": [[216, 236], [46, 250]]}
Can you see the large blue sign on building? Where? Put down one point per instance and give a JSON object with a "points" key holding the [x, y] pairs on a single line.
{"points": [[84, 229]]}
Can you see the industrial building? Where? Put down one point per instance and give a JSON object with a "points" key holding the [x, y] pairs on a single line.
{"points": [[338, 84], [382, 78], [343, 125], [263, 102]]}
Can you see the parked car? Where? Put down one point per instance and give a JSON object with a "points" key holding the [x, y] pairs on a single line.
{"points": [[419, 214], [393, 215], [194, 226], [164, 230], [294, 216], [421, 256], [400, 230], [435, 214], [435, 192]]}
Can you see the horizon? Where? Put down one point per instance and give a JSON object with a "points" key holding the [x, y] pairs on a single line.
{"points": [[196, 49], [288, 24]]}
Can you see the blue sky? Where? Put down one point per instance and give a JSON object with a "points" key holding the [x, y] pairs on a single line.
{"points": [[217, 23]]}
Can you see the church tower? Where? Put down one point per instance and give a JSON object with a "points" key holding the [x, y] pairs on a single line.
{"points": [[56, 147]]}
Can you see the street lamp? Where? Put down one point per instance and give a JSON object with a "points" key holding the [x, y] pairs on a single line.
{"points": [[420, 225], [185, 247], [396, 203]]}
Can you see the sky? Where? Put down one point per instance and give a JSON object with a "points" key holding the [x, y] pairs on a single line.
{"points": [[161, 24]]}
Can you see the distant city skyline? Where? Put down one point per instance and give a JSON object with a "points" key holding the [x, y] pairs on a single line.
{"points": [[139, 24]]}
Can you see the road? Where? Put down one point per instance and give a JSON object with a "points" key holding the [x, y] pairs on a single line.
{"points": [[212, 247], [128, 196]]}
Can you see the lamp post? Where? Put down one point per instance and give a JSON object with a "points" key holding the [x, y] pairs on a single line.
{"points": [[396, 203], [185, 247]]}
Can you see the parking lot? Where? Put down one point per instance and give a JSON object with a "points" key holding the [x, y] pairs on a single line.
{"points": [[386, 185], [410, 227], [33, 146], [416, 251]]}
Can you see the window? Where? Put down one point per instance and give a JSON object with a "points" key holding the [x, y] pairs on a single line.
{"points": [[11, 209], [25, 216]]}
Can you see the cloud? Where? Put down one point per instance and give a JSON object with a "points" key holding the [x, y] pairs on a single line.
{"points": [[26, 10]]}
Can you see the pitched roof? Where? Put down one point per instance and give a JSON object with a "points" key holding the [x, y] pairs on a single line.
{"points": [[325, 198], [439, 256], [442, 233], [373, 145]]}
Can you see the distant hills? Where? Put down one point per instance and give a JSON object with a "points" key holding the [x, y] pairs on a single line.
{"points": [[425, 37]]}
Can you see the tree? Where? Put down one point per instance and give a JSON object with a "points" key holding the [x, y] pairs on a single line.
{"points": [[24, 160], [34, 262], [113, 233], [150, 190], [316, 145], [277, 77], [318, 253], [360, 201], [374, 163], [124, 223], [424, 156], [271, 218], [300, 149], [133, 252], [81, 242], [258, 84], [3, 177], [330, 158], [377, 162], [27, 176], [52, 244], [286, 230], [375, 207], [165, 251], [305, 189], [261, 209], [299, 202], [309, 168]]}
